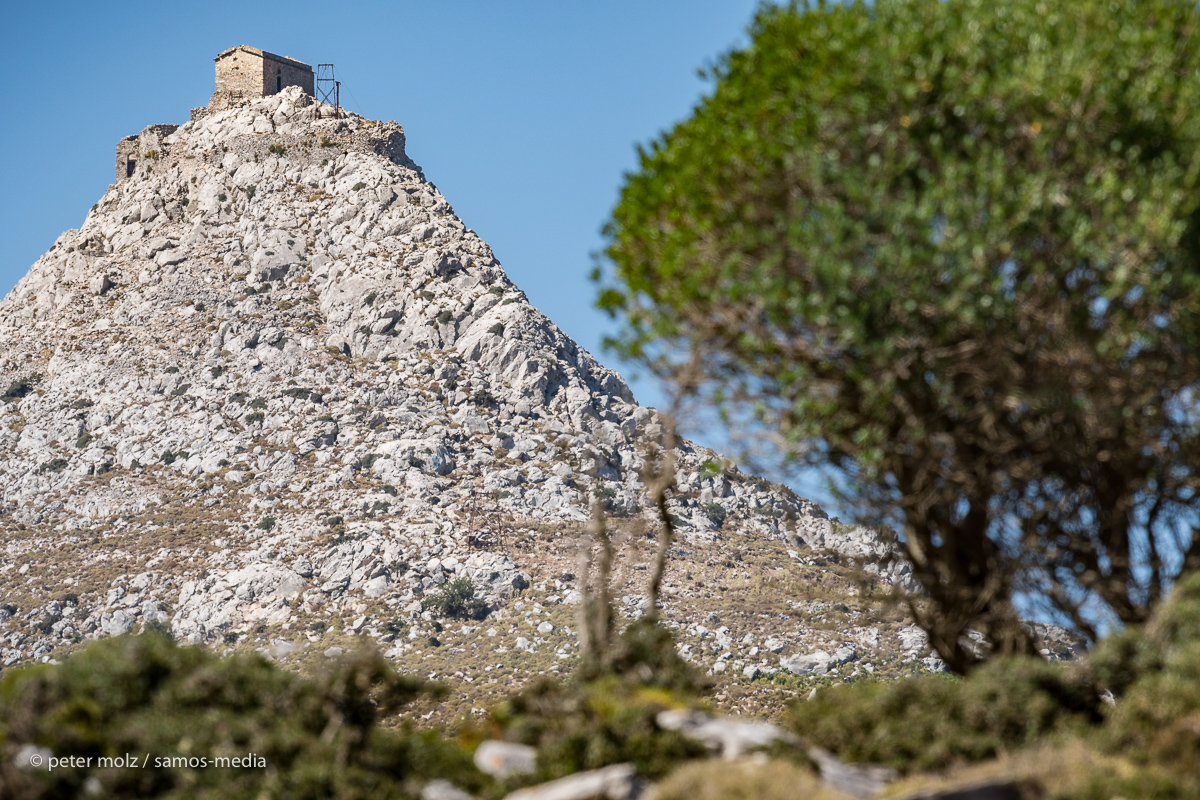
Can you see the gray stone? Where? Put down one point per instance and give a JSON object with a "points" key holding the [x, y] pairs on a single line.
{"points": [[100, 283], [732, 738], [856, 780], [443, 790], [501, 759], [116, 623], [616, 782]]}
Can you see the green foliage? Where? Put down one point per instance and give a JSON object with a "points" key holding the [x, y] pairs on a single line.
{"points": [[53, 465], [356, 187], [277, 149], [258, 402], [644, 653], [84, 440], [949, 249], [718, 779], [931, 722], [457, 600], [445, 317], [1147, 744], [266, 523], [370, 299], [301, 393], [253, 418], [1155, 672], [319, 737], [181, 390], [17, 389], [605, 713], [590, 725], [716, 512], [497, 329]]}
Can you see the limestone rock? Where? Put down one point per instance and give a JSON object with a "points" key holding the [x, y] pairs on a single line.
{"points": [[616, 782], [276, 367], [502, 759], [732, 738]]}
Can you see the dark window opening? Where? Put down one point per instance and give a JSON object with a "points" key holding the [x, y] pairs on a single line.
{"points": [[279, 83], [129, 165]]}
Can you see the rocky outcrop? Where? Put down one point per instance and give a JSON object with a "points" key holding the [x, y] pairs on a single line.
{"points": [[273, 370]]}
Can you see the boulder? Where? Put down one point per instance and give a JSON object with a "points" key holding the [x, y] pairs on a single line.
{"points": [[616, 782], [502, 759]]}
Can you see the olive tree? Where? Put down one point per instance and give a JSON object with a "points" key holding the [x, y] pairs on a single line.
{"points": [[949, 249]]}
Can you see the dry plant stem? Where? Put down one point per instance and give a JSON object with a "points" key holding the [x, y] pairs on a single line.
{"points": [[583, 614], [594, 616], [602, 616], [659, 481]]}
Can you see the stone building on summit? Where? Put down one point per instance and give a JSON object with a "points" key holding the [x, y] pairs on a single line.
{"points": [[246, 73]]}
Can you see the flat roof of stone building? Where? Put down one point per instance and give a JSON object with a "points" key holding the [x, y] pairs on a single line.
{"points": [[263, 53]]}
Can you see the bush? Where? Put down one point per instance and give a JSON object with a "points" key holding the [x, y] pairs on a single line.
{"points": [[143, 694], [277, 149], [745, 780], [587, 725], [934, 721], [1146, 745], [16, 390], [457, 600], [716, 512], [266, 524], [53, 465], [445, 317]]}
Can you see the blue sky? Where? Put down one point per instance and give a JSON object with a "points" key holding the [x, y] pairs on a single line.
{"points": [[524, 114]]}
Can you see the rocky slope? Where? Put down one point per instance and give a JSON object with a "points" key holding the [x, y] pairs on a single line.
{"points": [[273, 392]]}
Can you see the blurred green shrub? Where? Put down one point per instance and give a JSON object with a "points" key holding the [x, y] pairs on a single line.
{"points": [[144, 695]]}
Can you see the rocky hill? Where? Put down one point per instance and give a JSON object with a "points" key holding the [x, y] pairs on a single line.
{"points": [[273, 393]]}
